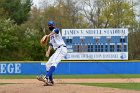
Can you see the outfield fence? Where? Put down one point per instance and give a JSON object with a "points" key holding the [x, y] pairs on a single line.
{"points": [[68, 68]]}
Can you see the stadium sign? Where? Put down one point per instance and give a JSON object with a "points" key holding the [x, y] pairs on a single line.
{"points": [[96, 44], [94, 32]]}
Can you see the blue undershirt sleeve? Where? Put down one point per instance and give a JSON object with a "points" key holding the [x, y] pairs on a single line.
{"points": [[56, 30]]}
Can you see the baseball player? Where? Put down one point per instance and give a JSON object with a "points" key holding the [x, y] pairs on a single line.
{"points": [[57, 43]]}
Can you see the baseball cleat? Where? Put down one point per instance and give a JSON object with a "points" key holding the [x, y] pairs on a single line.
{"points": [[51, 83], [42, 78], [45, 80]]}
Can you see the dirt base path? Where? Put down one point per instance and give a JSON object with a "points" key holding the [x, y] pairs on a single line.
{"points": [[34, 86], [117, 80]]}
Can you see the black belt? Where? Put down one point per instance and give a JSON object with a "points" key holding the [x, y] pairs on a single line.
{"points": [[60, 46]]}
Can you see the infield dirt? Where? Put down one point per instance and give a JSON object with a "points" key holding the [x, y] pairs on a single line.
{"points": [[35, 86]]}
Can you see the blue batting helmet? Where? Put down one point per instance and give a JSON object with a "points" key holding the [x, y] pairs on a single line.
{"points": [[51, 23]]}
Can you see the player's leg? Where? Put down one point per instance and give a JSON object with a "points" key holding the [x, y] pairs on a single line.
{"points": [[50, 69], [51, 79], [49, 75], [57, 57], [48, 65]]}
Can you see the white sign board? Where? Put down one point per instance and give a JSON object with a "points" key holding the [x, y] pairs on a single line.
{"points": [[96, 44]]}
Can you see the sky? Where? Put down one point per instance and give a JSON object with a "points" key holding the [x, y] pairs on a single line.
{"points": [[39, 3]]}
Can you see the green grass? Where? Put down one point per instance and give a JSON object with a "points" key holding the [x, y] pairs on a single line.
{"points": [[130, 86], [99, 76], [73, 76], [7, 83], [17, 76]]}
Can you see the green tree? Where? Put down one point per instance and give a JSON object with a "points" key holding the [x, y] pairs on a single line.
{"points": [[109, 13], [8, 40], [65, 14], [20, 42], [117, 14], [15, 10], [31, 44]]}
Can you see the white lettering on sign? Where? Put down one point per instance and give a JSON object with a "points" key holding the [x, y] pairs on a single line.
{"points": [[97, 56], [10, 68], [2, 68], [95, 32], [18, 68]]}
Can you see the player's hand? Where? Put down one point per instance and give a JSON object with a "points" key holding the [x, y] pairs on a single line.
{"points": [[47, 53], [47, 36]]}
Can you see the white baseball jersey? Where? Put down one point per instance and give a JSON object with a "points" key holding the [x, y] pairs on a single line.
{"points": [[56, 39], [58, 44]]}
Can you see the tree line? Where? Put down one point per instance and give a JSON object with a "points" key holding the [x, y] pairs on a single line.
{"points": [[22, 25]]}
